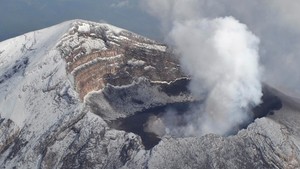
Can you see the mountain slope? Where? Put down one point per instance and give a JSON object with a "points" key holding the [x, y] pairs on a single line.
{"points": [[44, 121], [65, 89]]}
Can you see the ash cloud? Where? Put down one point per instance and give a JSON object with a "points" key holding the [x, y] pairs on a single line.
{"points": [[221, 56]]}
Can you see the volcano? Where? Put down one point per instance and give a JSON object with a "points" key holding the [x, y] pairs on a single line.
{"points": [[80, 95]]}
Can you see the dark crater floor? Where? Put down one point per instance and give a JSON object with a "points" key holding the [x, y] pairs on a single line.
{"points": [[136, 123]]}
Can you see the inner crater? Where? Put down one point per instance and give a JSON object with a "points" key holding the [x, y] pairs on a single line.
{"points": [[153, 110]]}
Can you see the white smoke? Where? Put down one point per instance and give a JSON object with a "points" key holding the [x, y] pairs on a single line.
{"points": [[221, 56], [276, 23]]}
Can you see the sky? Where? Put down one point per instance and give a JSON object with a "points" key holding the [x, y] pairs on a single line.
{"points": [[21, 16]]}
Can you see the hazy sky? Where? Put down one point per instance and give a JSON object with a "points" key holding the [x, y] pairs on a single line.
{"points": [[21, 16]]}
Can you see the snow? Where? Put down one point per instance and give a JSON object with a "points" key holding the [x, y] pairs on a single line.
{"points": [[95, 61], [162, 48], [39, 48], [131, 135], [149, 68], [73, 42], [164, 82], [113, 29], [135, 62], [84, 28], [35, 91]]}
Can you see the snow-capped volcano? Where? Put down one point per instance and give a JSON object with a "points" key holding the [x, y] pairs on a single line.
{"points": [[64, 88], [46, 74]]}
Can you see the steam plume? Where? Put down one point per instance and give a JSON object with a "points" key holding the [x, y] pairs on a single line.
{"points": [[278, 30], [221, 56]]}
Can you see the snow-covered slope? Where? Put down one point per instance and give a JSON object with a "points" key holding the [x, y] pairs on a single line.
{"points": [[26, 63], [43, 119], [61, 87]]}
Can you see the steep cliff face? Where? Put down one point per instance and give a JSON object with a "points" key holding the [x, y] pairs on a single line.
{"points": [[98, 54], [64, 90]]}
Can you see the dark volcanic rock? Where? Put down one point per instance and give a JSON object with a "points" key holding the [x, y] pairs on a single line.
{"points": [[270, 103]]}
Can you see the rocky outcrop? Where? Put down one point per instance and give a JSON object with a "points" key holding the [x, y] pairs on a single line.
{"points": [[264, 144], [8, 133], [115, 102], [100, 54], [90, 143]]}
